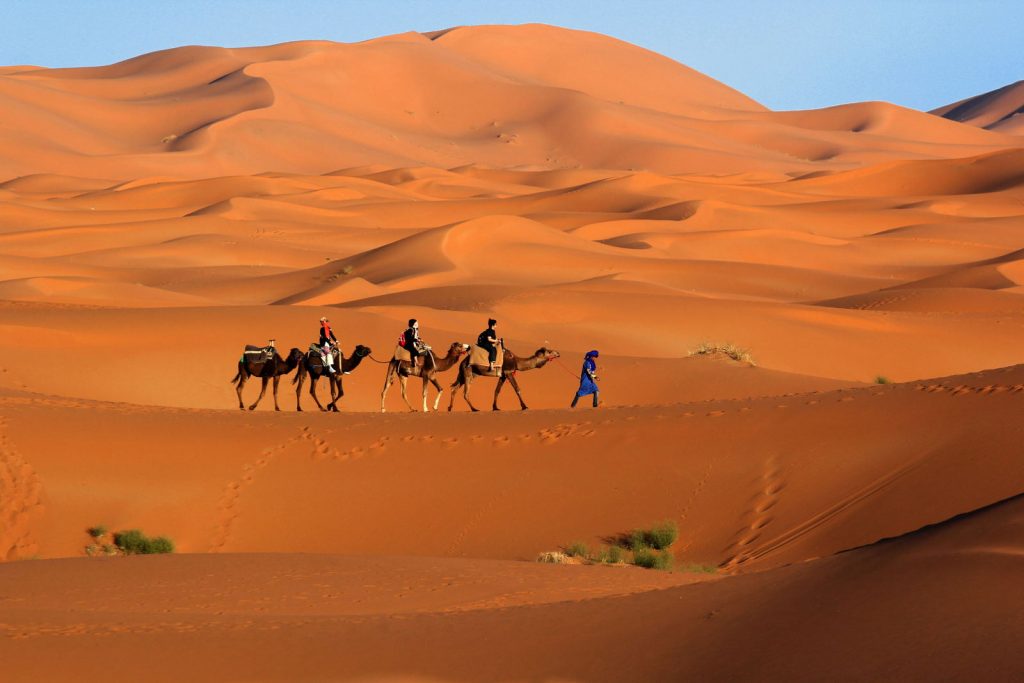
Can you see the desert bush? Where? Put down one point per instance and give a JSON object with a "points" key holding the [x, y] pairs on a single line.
{"points": [[649, 559], [637, 540], [658, 537], [554, 557], [608, 555], [578, 549], [91, 550], [98, 531], [694, 568], [134, 542], [663, 561], [730, 350], [643, 557], [663, 535], [882, 379]]}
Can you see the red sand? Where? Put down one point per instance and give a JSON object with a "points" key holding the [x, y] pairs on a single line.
{"points": [[158, 214]]}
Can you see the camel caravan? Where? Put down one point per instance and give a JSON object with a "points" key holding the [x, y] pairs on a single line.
{"points": [[411, 358]]}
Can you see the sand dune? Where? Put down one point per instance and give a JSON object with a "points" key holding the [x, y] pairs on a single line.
{"points": [[472, 95], [998, 110], [158, 214], [819, 490]]}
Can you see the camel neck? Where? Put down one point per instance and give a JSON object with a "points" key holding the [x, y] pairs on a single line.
{"points": [[349, 364]]}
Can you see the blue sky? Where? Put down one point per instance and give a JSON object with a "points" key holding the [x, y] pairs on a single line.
{"points": [[788, 54]]}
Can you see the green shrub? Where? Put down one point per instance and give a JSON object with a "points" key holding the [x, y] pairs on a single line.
{"points": [[614, 555], [643, 557], [882, 379], [663, 535], [648, 559], [663, 561], [134, 542], [578, 549], [638, 540], [98, 531], [161, 544]]}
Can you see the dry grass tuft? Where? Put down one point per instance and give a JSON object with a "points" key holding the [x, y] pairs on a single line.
{"points": [[730, 350], [555, 557]]}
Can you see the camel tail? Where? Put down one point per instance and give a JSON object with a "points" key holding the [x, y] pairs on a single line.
{"points": [[239, 376]]}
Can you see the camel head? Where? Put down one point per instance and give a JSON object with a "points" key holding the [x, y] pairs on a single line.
{"points": [[545, 354], [457, 349], [295, 356], [362, 351]]}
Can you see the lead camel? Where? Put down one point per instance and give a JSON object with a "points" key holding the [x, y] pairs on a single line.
{"points": [[510, 365]]}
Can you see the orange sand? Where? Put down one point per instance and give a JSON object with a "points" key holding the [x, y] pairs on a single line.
{"points": [[158, 214]]}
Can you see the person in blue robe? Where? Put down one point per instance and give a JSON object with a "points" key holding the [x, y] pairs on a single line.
{"points": [[588, 379]]}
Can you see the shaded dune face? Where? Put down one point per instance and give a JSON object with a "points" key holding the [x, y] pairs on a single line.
{"points": [[843, 459], [999, 110]]}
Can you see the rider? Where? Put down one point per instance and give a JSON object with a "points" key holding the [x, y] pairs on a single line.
{"points": [[411, 340], [588, 379], [327, 339], [488, 339]]}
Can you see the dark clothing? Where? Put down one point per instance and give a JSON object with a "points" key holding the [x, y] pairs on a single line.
{"points": [[484, 342], [327, 334], [412, 342]]}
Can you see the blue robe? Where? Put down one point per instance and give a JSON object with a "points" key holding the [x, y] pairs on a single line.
{"points": [[587, 385]]}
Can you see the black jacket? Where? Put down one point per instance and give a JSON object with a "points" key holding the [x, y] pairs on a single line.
{"points": [[483, 341]]}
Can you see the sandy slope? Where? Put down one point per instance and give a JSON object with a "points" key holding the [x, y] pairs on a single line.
{"points": [[998, 110], [158, 214], [884, 611]]}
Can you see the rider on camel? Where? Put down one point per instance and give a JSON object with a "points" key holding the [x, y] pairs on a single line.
{"points": [[411, 340], [488, 339], [327, 340]]}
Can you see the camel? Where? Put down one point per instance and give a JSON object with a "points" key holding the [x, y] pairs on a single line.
{"points": [[432, 365], [313, 365], [274, 367], [510, 365]]}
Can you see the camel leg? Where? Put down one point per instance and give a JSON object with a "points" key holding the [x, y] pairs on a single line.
{"points": [[312, 391], [387, 385], [298, 390], [497, 390], [468, 374], [515, 385], [337, 391], [426, 382], [437, 385], [454, 387], [403, 382], [277, 380], [238, 390], [263, 390]]}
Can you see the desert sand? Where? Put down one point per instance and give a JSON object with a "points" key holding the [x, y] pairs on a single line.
{"points": [[847, 494]]}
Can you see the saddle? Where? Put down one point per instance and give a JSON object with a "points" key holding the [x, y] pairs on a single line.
{"points": [[258, 354], [479, 357], [402, 354]]}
